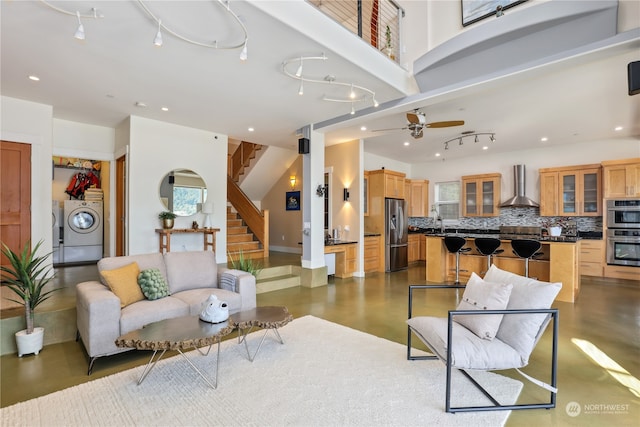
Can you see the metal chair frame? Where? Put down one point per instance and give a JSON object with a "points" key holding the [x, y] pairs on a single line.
{"points": [[552, 312]]}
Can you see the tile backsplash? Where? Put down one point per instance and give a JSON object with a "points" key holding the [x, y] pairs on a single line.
{"points": [[510, 216]]}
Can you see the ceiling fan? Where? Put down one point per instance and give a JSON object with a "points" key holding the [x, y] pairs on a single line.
{"points": [[418, 121]]}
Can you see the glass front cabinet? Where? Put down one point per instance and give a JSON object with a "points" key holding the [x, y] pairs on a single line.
{"points": [[578, 192], [481, 195]]}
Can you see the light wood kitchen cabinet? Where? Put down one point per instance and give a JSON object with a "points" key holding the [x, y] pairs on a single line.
{"points": [[371, 254], [591, 257], [481, 195], [416, 192], [394, 184], [621, 178], [571, 191], [413, 250], [423, 247]]}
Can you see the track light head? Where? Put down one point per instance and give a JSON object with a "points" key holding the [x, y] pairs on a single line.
{"points": [[244, 54], [79, 34], [157, 41], [301, 89], [299, 70]]}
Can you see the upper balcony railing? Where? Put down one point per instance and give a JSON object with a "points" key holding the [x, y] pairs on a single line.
{"points": [[375, 21]]}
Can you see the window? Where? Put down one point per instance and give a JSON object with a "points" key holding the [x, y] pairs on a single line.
{"points": [[447, 199], [186, 199]]}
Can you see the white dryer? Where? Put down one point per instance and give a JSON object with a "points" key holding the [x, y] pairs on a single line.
{"points": [[56, 225], [83, 230]]}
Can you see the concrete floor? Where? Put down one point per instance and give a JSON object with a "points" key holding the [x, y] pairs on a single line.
{"points": [[600, 373]]}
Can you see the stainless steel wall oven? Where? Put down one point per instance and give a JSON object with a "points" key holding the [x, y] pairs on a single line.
{"points": [[623, 232]]}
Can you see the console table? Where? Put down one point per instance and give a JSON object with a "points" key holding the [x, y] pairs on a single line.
{"points": [[164, 234]]}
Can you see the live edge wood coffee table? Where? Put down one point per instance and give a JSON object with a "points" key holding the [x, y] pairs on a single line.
{"points": [[267, 318], [180, 334], [189, 332]]}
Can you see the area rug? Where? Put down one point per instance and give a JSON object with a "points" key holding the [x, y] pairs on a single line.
{"points": [[325, 374]]}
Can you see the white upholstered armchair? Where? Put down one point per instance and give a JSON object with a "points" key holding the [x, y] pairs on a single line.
{"points": [[496, 326]]}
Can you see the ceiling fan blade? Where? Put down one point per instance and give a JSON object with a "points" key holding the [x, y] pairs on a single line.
{"points": [[446, 124], [416, 118], [390, 129]]}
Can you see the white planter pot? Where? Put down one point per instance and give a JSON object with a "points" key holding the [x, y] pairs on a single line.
{"points": [[30, 343], [555, 231]]}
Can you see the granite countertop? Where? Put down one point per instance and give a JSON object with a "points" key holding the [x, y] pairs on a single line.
{"points": [[335, 242], [474, 233]]}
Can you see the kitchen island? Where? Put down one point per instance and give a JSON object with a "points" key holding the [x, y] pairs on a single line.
{"points": [[559, 263]]}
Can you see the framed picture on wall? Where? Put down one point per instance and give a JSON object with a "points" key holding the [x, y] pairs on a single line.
{"points": [[475, 10], [293, 201]]}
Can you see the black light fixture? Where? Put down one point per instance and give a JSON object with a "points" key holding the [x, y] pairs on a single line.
{"points": [[345, 194]]}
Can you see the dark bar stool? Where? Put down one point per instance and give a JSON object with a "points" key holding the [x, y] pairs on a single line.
{"points": [[455, 245], [527, 249], [488, 246]]}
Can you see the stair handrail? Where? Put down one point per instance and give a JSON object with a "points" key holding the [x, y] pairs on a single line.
{"points": [[241, 158], [256, 220]]}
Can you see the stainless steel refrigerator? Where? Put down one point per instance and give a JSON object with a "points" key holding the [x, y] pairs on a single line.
{"points": [[395, 230]]}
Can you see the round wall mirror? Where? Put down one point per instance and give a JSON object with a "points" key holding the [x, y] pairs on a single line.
{"points": [[183, 191]]}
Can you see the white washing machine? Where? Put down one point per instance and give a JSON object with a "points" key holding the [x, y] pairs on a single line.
{"points": [[83, 230], [56, 226]]}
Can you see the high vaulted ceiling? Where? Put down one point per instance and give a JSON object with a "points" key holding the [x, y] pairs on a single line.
{"points": [[99, 81]]}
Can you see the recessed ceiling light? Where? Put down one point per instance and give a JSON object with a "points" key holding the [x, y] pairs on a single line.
{"points": [[406, 143], [34, 78], [544, 139], [485, 147], [141, 104], [251, 129], [363, 128], [165, 108], [618, 128], [437, 154]]}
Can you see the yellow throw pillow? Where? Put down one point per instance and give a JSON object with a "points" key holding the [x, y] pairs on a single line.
{"points": [[123, 282]]}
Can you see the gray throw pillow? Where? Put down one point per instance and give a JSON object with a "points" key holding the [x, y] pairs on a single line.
{"points": [[483, 295]]}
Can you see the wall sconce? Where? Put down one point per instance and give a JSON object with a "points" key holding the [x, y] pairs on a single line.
{"points": [[292, 181], [345, 194]]}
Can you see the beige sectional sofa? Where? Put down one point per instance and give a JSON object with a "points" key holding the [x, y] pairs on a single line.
{"points": [[191, 277]]}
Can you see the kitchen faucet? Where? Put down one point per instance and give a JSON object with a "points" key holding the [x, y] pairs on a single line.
{"points": [[439, 218]]}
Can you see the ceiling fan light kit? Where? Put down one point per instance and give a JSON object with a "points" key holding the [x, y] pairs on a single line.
{"points": [[418, 121], [355, 93]]}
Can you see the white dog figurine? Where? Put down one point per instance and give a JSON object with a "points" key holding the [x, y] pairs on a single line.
{"points": [[214, 310]]}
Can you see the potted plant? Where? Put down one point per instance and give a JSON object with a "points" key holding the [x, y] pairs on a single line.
{"points": [[245, 264], [27, 276], [167, 218], [388, 49]]}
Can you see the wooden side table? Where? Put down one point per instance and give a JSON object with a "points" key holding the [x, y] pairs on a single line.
{"points": [[164, 235]]}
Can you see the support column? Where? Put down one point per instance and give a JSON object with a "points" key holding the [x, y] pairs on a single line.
{"points": [[314, 271]]}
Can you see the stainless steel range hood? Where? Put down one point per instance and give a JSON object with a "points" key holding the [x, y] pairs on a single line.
{"points": [[520, 199]]}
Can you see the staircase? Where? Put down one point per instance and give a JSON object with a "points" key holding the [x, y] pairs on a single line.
{"points": [[276, 278], [240, 238]]}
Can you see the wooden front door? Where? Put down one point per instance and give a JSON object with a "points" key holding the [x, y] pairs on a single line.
{"points": [[15, 195]]}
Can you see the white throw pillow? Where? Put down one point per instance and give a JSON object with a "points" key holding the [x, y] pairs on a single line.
{"points": [[521, 331], [483, 295]]}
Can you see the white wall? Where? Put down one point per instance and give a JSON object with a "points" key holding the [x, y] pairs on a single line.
{"points": [[73, 139], [545, 157], [30, 123], [157, 148], [374, 162]]}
